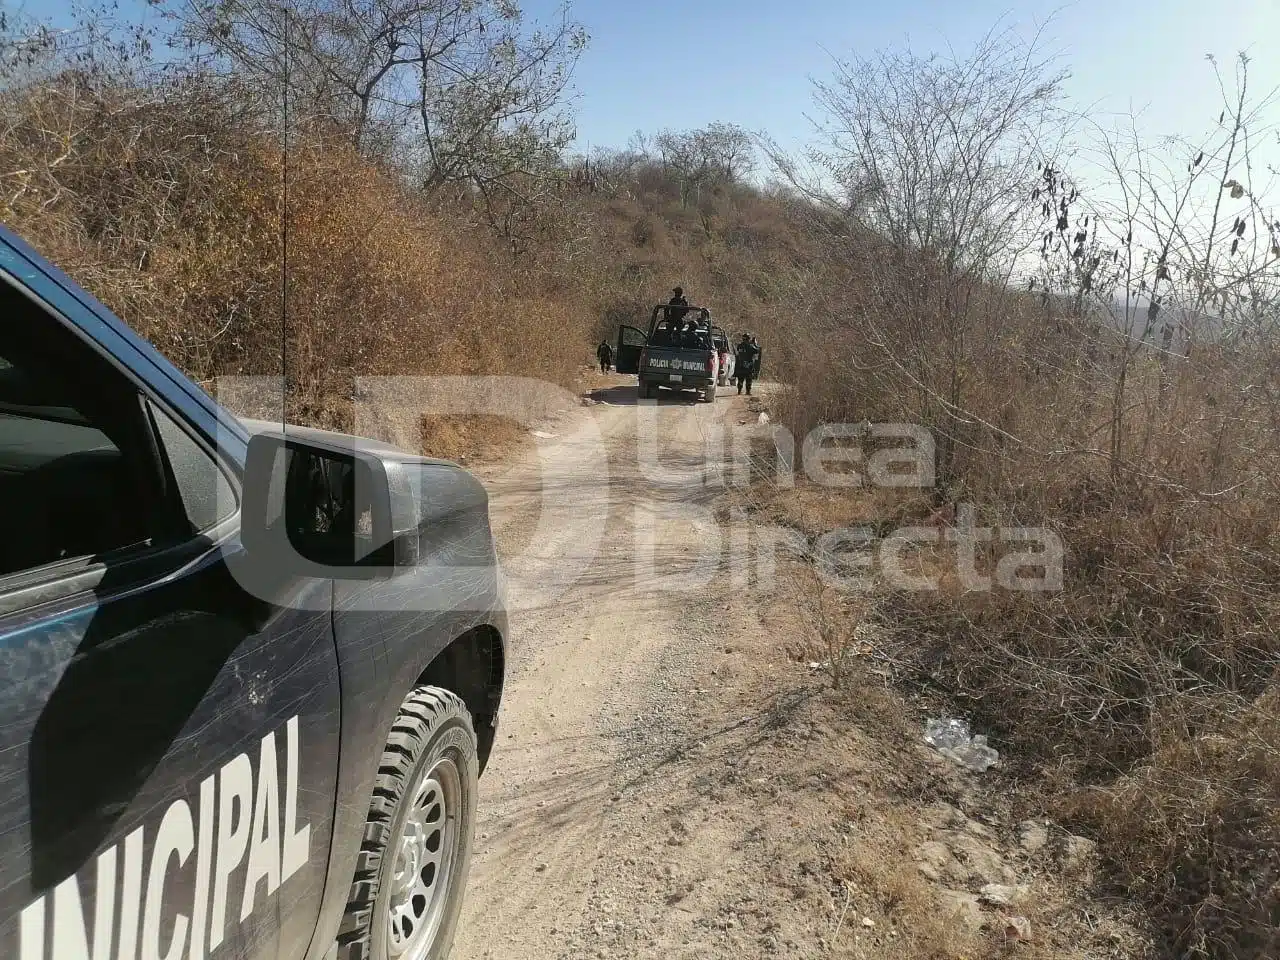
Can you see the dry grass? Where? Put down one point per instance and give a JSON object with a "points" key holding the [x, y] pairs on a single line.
{"points": [[1140, 699], [879, 867]]}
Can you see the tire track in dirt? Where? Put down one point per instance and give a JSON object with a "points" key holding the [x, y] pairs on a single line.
{"points": [[591, 667]]}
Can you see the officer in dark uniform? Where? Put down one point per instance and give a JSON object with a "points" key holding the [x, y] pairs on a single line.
{"points": [[745, 364], [604, 353], [677, 307]]}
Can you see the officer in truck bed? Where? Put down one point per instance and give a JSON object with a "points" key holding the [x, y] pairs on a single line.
{"points": [[677, 307]]}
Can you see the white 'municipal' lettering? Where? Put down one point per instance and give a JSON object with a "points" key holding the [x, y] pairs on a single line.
{"points": [[204, 860], [264, 838], [130, 896], [70, 939], [233, 819], [31, 931], [235, 795], [296, 839], [176, 837]]}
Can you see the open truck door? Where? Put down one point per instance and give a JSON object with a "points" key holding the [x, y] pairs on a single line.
{"points": [[631, 341], [724, 369]]}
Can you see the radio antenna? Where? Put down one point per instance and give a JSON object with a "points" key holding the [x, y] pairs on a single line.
{"points": [[284, 232]]}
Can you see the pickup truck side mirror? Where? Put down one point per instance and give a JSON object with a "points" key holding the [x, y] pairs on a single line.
{"points": [[319, 509]]}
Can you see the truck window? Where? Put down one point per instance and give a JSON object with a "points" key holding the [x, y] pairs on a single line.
{"points": [[79, 471], [66, 489]]}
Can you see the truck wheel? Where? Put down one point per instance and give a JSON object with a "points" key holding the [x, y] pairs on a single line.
{"points": [[710, 395], [412, 872]]}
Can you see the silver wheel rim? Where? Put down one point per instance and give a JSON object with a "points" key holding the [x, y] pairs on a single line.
{"points": [[425, 853]]}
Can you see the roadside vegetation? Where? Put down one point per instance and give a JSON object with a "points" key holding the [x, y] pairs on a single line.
{"points": [[1088, 329], [1085, 320]]}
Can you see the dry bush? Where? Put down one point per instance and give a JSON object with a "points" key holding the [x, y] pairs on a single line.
{"points": [[165, 199], [647, 231], [1197, 822], [836, 625]]}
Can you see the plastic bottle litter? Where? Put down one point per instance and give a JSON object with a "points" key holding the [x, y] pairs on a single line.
{"points": [[951, 738]]}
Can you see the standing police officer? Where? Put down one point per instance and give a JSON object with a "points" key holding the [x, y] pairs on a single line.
{"points": [[745, 364]]}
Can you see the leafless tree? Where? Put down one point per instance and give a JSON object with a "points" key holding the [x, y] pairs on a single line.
{"points": [[1175, 245], [461, 92], [96, 41], [935, 157], [720, 153]]}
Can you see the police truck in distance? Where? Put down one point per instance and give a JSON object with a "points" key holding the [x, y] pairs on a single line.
{"points": [[679, 351], [250, 674]]}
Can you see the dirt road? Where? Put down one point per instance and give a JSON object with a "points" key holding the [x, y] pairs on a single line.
{"points": [[588, 836]]}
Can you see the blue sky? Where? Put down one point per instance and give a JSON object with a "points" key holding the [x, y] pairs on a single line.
{"points": [[654, 64], [666, 63]]}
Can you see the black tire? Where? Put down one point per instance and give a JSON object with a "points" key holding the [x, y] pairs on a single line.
{"points": [[432, 731]]}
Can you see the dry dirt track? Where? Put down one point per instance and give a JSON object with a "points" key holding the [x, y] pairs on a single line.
{"points": [[584, 845]]}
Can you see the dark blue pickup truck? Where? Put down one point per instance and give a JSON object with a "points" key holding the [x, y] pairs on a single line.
{"points": [[249, 676]]}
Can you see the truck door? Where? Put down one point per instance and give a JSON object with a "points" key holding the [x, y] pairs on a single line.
{"points": [[631, 341], [169, 748]]}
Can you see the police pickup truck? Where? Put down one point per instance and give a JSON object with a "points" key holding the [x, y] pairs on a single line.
{"points": [[681, 350], [250, 676]]}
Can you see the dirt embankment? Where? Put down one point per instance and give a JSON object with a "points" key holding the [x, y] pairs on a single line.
{"points": [[673, 778]]}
